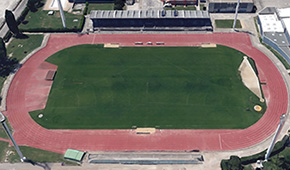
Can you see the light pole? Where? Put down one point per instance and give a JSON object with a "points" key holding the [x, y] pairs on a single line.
{"points": [[272, 144], [61, 13], [2, 120], [236, 15], [267, 155]]}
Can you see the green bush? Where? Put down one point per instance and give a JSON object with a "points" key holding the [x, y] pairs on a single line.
{"points": [[85, 12], [224, 164], [234, 163]]}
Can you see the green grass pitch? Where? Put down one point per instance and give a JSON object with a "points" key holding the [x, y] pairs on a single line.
{"points": [[163, 87]]}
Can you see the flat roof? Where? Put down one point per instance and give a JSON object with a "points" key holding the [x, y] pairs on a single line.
{"points": [[231, 1], [73, 154], [278, 37], [135, 14], [268, 10], [283, 12], [270, 23], [286, 24]]}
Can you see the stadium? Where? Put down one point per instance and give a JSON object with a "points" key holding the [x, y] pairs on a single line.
{"points": [[31, 92]]}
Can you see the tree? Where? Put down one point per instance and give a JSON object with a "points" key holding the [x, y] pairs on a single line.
{"points": [[31, 5], [7, 65], [11, 22], [235, 163], [119, 4], [3, 53]]}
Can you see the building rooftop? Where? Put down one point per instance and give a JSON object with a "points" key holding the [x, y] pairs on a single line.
{"points": [[268, 10], [230, 1], [286, 24], [283, 12], [270, 23], [116, 14], [278, 38]]}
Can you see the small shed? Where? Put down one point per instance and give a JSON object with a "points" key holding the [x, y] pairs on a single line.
{"points": [[74, 155]]}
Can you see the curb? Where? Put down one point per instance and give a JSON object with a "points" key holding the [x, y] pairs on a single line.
{"points": [[9, 79]]}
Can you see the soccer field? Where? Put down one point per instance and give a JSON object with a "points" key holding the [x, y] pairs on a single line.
{"points": [[163, 87]]}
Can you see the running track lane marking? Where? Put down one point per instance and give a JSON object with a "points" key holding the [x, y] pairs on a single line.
{"points": [[28, 132]]}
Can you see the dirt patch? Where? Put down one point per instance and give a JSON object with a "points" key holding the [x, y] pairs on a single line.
{"points": [[111, 45], [208, 45]]}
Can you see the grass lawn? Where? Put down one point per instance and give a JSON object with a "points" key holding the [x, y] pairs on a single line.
{"points": [[40, 19], [100, 6], [2, 131], [164, 87], [34, 154], [19, 48], [227, 23]]}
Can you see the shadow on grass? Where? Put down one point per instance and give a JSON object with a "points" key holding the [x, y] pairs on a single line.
{"points": [[7, 66], [44, 165], [22, 36]]}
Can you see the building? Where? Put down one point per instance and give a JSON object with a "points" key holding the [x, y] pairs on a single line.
{"points": [[229, 6], [181, 2], [151, 20], [91, 1], [274, 25]]}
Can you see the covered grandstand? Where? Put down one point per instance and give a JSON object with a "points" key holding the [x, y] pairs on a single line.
{"points": [[274, 26], [151, 19]]}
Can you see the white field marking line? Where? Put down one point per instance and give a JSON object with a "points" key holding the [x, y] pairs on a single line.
{"points": [[220, 140], [178, 67], [94, 39]]}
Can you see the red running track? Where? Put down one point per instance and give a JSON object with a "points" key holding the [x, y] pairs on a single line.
{"points": [[27, 132]]}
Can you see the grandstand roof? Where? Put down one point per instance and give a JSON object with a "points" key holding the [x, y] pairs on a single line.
{"points": [[270, 23], [286, 23], [277, 37], [130, 14], [283, 12]]}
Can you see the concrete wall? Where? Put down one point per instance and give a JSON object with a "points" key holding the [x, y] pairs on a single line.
{"points": [[182, 2], [221, 7]]}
